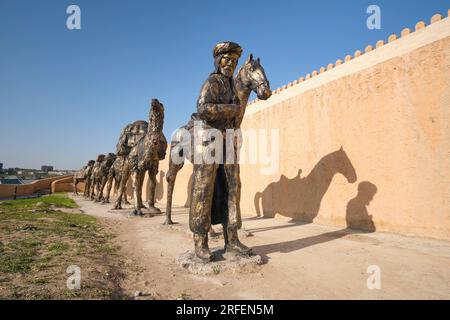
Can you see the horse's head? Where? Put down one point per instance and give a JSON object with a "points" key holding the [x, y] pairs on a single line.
{"points": [[253, 77], [344, 165]]}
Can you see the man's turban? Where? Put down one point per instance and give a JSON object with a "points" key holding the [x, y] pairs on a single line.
{"points": [[227, 47]]}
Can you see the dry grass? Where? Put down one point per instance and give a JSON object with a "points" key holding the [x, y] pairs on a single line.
{"points": [[39, 241]]}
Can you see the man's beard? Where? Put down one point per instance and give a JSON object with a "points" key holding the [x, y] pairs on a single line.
{"points": [[227, 72]]}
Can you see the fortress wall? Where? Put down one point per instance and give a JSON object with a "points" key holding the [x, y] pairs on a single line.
{"points": [[183, 184], [65, 185], [388, 108], [7, 191]]}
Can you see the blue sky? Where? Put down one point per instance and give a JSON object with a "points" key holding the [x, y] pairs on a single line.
{"points": [[65, 95]]}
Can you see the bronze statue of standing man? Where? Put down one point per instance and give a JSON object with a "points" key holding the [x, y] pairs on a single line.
{"points": [[216, 186]]}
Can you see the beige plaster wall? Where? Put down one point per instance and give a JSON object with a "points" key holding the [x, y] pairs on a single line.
{"points": [[65, 185]]}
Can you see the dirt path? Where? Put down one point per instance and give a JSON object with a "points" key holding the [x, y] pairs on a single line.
{"points": [[304, 261]]}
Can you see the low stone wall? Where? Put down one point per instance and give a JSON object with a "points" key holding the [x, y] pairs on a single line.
{"points": [[23, 190], [65, 185]]}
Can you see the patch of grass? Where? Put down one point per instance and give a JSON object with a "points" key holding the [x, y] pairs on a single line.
{"points": [[39, 281], [216, 269], [70, 294], [57, 247], [58, 200], [38, 242], [18, 255]]}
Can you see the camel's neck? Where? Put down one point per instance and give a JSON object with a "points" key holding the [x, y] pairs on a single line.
{"points": [[155, 123]]}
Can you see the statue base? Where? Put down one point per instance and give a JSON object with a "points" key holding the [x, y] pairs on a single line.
{"points": [[222, 262]]}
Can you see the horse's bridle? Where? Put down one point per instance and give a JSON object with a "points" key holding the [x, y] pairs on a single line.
{"points": [[258, 83]]}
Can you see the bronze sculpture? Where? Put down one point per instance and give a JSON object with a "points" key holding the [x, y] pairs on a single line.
{"points": [[80, 176], [152, 173], [100, 176], [145, 156], [216, 187], [114, 176], [250, 77], [95, 172], [87, 181], [90, 194], [129, 135]]}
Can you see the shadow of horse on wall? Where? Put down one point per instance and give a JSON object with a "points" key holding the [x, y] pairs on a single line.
{"points": [[357, 218], [299, 198]]}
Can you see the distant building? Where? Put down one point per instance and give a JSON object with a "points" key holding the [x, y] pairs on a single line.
{"points": [[47, 168], [56, 173]]}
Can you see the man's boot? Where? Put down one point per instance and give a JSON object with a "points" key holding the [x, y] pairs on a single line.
{"points": [[232, 243], [201, 247]]}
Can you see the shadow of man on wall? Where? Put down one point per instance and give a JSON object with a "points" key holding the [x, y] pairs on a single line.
{"points": [[300, 198], [357, 216]]}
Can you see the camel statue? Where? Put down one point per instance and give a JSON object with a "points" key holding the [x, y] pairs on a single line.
{"points": [[250, 77], [81, 176], [129, 135], [87, 181], [95, 169], [115, 176], [100, 175], [144, 156]]}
